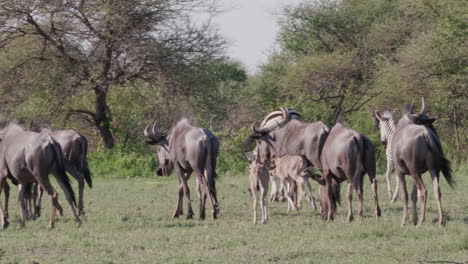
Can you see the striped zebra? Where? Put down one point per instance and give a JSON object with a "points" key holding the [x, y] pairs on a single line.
{"points": [[387, 125]]}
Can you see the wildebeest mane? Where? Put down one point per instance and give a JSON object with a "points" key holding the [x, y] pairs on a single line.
{"points": [[6, 122], [37, 125]]}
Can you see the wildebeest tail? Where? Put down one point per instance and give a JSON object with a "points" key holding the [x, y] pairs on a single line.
{"points": [[61, 175], [358, 149], [210, 167], [336, 190], [84, 163], [443, 163]]}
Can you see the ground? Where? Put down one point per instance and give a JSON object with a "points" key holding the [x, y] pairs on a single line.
{"points": [[129, 221]]}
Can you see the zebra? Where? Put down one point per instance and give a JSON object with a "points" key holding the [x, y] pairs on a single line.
{"points": [[387, 125]]}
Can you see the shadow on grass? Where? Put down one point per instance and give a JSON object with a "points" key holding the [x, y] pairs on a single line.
{"points": [[180, 225]]}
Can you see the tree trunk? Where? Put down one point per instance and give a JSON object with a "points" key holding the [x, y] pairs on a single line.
{"points": [[103, 120]]}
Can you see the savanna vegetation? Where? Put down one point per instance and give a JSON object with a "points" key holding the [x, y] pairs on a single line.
{"points": [[129, 221], [106, 68]]}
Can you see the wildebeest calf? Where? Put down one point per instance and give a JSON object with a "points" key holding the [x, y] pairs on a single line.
{"points": [[292, 169], [259, 177]]}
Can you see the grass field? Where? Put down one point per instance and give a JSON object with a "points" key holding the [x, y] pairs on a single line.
{"points": [[128, 221]]}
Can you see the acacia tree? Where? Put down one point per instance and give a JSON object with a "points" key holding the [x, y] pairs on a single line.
{"points": [[101, 44]]}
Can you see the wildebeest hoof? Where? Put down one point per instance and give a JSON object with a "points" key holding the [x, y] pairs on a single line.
{"points": [[350, 219], [175, 214], [189, 216], [21, 226], [5, 225], [51, 225], [78, 223]]}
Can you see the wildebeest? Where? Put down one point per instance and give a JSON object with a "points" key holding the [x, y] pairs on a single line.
{"points": [[75, 148], [272, 121], [293, 169], [28, 157], [187, 148], [259, 177], [416, 149], [290, 137], [347, 155]]}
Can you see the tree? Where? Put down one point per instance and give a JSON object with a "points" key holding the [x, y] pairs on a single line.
{"points": [[101, 44]]}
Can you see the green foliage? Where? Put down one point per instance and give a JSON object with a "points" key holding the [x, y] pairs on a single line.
{"points": [[231, 157], [123, 162]]}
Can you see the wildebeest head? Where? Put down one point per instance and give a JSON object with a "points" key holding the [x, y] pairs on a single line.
{"points": [[263, 137], [420, 118], [154, 136], [164, 166]]}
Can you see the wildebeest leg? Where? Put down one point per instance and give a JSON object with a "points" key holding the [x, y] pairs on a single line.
{"points": [[201, 197], [180, 196], [264, 182], [289, 195], [6, 188], [349, 196], [328, 192], [47, 187], [414, 200], [422, 196], [183, 181], [21, 205], [360, 196], [39, 194], [309, 193], [4, 213], [405, 198], [79, 177], [274, 189], [373, 181], [253, 192], [438, 195], [71, 203], [299, 192]]}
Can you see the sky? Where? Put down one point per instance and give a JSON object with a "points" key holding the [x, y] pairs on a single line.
{"points": [[251, 27]]}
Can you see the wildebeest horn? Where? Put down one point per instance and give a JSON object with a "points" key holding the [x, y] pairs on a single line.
{"points": [[258, 131], [423, 107], [151, 132]]}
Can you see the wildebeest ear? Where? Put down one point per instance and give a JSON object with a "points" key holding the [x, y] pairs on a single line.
{"points": [[151, 142], [250, 156], [427, 121]]}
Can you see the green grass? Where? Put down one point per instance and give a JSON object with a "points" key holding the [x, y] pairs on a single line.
{"points": [[128, 221]]}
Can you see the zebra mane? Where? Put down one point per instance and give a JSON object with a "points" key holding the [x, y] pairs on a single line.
{"points": [[387, 114]]}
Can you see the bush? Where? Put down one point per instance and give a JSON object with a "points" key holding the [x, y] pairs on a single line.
{"points": [[122, 162]]}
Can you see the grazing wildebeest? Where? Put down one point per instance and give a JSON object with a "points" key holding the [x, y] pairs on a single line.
{"points": [[292, 169], [187, 149], [259, 177], [75, 148], [271, 121], [347, 155], [290, 137], [416, 149], [30, 157], [387, 125]]}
